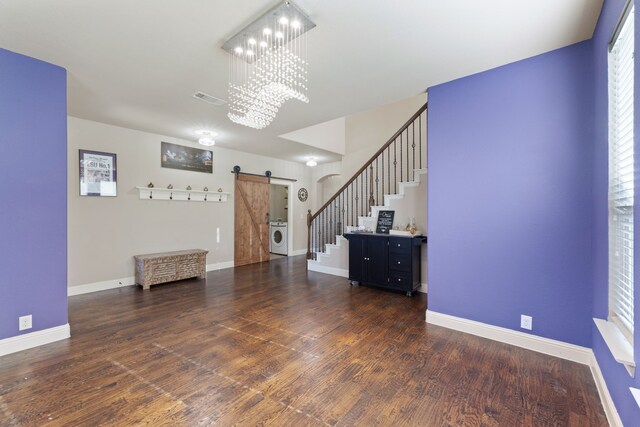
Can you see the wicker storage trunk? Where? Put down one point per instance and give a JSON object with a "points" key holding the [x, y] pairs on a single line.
{"points": [[163, 267]]}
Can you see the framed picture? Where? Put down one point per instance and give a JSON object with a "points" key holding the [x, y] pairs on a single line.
{"points": [[186, 158], [98, 173]]}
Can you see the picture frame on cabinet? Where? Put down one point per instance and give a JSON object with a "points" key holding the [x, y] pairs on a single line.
{"points": [[98, 173]]}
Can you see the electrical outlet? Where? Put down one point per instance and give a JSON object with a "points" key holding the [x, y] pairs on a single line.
{"points": [[24, 322], [526, 322]]}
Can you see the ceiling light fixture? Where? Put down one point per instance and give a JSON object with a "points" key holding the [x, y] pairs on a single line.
{"points": [[261, 80], [206, 137], [312, 162]]}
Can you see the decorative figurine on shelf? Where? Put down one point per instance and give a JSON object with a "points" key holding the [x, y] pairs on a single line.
{"points": [[150, 185], [189, 187], [170, 187], [205, 189], [220, 190]]}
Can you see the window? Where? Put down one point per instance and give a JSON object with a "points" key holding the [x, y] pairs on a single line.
{"points": [[621, 175]]}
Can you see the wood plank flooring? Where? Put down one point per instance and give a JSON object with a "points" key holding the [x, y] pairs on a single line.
{"points": [[274, 345]]}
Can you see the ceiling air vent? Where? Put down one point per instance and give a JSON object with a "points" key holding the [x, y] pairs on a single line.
{"points": [[210, 99]]}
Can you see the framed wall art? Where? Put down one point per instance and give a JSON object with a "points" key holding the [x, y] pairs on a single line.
{"points": [[186, 158], [98, 173]]}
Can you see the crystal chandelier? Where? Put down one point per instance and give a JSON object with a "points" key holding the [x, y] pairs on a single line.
{"points": [[267, 65]]}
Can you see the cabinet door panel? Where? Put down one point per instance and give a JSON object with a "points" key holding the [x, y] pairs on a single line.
{"points": [[377, 248], [357, 251]]}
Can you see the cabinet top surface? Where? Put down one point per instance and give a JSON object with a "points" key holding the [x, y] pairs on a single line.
{"points": [[168, 254], [399, 236]]}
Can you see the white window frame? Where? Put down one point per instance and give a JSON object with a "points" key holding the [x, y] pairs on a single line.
{"points": [[615, 331], [621, 174]]}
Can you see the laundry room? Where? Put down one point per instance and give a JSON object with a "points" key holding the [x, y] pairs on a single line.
{"points": [[279, 219]]}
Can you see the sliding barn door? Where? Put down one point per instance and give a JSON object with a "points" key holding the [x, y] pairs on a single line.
{"points": [[251, 219]]}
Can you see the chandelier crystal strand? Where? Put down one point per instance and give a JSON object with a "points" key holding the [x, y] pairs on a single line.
{"points": [[268, 66]]}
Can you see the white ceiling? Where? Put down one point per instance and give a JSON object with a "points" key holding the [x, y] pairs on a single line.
{"points": [[137, 63]]}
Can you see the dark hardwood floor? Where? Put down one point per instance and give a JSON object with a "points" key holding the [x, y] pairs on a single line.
{"points": [[272, 345]]}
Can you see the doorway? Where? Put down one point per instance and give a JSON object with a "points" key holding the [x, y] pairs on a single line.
{"points": [[279, 220]]}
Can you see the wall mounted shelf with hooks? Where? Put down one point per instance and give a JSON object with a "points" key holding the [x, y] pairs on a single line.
{"points": [[174, 194]]}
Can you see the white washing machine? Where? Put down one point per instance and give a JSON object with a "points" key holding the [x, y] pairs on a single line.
{"points": [[278, 238]]}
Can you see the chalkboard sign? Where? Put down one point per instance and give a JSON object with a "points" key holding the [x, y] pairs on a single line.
{"points": [[385, 221]]}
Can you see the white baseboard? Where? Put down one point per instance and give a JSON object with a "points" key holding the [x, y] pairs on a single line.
{"points": [[220, 266], [548, 346], [607, 402], [34, 339], [422, 288], [101, 286], [127, 281], [560, 349], [313, 266], [298, 252]]}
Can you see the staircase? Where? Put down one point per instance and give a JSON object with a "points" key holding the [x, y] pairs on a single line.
{"points": [[393, 179], [409, 202]]}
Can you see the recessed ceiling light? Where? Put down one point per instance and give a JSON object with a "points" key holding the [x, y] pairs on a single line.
{"points": [[284, 20], [206, 132], [295, 24], [238, 50], [312, 162], [263, 44], [266, 31], [279, 34], [252, 41], [206, 137]]}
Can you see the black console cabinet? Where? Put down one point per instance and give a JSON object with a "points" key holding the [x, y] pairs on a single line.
{"points": [[391, 262]]}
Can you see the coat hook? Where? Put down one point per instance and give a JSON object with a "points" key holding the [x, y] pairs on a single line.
{"points": [[171, 196], [205, 197], [219, 198], [189, 198], [151, 194]]}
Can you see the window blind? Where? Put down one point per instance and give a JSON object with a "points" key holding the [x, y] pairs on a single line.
{"points": [[621, 177]]}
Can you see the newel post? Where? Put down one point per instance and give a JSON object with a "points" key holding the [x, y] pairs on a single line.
{"points": [[309, 234]]}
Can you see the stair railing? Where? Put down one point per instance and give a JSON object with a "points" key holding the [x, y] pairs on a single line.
{"points": [[395, 162]]}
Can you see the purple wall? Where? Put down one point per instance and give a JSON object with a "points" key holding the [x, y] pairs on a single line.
{"points": [[509, 204], [33, 193], [518, 198], [617, 378]]}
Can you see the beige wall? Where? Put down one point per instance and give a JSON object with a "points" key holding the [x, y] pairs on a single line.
{"points": [[366, 132], [104, 233]]}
